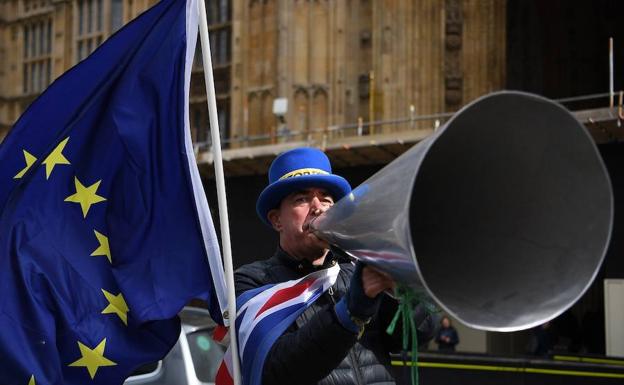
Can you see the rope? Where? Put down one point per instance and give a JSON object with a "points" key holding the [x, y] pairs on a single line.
{"points": [[408, 300]]}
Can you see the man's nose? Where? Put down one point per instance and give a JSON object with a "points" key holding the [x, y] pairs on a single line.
{"points": [[316, 206]]}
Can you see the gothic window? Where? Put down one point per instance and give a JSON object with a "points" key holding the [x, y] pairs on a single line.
{"points": [[218, 11], [37, 70], [220, 30], [318, 116], [255, 116], [199, 124], [200, 131], [268, 125], [116, 15], [34, 5], [219, 14], [223, 111], [198, 61], [300, 122], [95, 21]]}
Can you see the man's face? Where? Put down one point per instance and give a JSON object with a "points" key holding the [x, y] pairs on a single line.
{"points": [[291, 219]]}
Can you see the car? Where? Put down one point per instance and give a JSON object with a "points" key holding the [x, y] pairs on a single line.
{"points": [[193, 360]]}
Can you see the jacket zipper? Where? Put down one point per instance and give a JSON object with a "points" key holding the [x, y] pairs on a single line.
{"points": [[356, 368]]}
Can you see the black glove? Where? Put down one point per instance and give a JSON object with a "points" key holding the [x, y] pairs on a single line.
{"points": [[356, 309]]}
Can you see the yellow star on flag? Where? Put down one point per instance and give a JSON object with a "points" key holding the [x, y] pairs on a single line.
{"points": [[86, 196], [103, 248], [92, 359], [32, 381], [30, 160], [116, 305], [56, 157]]}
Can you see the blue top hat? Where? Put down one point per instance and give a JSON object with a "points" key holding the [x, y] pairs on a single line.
{"points": [[295, 170]]}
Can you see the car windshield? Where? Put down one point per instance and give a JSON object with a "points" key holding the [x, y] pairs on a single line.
{"points": [[206, 354]]}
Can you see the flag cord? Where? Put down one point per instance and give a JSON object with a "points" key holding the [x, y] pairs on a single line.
{"points": [[220, 181], [407, 299]]}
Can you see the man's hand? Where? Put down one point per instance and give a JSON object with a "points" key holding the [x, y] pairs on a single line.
{"points": [[375, 281], [363, 298]]}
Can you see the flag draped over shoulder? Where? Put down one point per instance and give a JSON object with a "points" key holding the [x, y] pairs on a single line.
{"points": [[263, 314], [105, 232]]}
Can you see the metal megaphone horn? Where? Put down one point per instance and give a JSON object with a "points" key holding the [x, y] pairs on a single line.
{"points": [[502, 216]]}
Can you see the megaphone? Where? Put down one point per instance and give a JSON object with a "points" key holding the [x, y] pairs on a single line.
{"points": [[502, 216]]}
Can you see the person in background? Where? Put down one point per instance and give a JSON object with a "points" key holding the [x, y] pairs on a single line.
{"points": [[447, 337]]}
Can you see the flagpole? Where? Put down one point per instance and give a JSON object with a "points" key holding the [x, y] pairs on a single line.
{"points": [[611, 93], [220, 179]]}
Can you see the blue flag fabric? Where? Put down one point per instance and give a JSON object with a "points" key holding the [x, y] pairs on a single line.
{"points": [[104, 227]]}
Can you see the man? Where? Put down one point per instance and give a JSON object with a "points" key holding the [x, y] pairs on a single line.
{"points": [[340, 338], [447, 336]]}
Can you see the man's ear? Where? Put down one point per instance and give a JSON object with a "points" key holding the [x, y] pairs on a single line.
{"points": [[274, 218]]}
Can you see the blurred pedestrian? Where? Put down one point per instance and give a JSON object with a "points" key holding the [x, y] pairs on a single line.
{"points": [[447, 336]]}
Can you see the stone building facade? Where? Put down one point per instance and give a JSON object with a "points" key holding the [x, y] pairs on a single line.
{"points": [[334, 61], [337, 61], [41, 39]]}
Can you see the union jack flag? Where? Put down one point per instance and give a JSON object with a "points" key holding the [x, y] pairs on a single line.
{"points": [[263, 314]]}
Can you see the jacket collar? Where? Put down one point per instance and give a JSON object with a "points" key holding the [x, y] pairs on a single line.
{"points": [[303, 266]]}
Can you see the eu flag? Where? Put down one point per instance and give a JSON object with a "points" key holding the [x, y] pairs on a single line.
{"points": [[105, 232]]}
